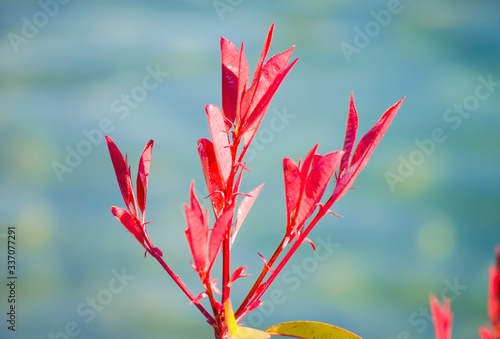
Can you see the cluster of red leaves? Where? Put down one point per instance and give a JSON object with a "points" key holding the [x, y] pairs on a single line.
{"points": [[130, 217], [442, 316], [232, 130]]}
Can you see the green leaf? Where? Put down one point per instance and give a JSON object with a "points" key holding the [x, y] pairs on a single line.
{"points": [[310, 330]]}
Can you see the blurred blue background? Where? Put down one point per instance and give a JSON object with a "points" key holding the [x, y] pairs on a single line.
{"points": [[423, 220]]}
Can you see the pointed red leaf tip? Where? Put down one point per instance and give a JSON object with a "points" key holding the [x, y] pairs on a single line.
{"points": [[248, 97], [350, 135], [212, 175], [292, 187], [122, 172], [442, 317], [365, 147], [220, 140], [370, 140], [142, 178], [245, 107], [197, 231], [255, 116], [221, 227], [235, 75]]}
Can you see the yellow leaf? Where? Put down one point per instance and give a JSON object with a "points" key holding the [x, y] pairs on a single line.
{"points": [[240, 332], [250, 333], [311, 330]]}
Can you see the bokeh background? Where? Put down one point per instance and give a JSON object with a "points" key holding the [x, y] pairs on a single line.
{"points": [[423, 220]]}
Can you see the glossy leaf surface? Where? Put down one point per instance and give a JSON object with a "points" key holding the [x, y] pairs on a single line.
{"points": [[350, 135], [142, 177], [244, 208], [220, 140], [212, 175], [310, 330], [197, 231]]}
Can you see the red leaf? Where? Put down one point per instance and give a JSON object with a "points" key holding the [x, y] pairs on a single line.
{"points": [[363, 151], [235, 75], [265, 263], [212, 175], [263, 79], [213, 284], [237, 274], [219, 231], [292, 186], [442, 317], [130, 223], [370, 140], [310, 243], [244, 208], [248, 96], [263, 54], [230, 58], [220, 140], [306, 165], [122, 172], [303, 173], [197, 231], [198, 298], [316, 183], [142, 178], [243, 77], [254, 116], [350, 135], [269, 72]]}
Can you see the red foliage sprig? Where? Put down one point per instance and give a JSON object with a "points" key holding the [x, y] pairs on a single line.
{"points": [[232, 130]]}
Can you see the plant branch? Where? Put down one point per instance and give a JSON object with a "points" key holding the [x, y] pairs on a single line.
{"points": [[183, 287], [261, 277]]}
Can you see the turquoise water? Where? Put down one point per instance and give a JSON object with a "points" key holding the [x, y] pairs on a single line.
{"points": [[423, 220]]}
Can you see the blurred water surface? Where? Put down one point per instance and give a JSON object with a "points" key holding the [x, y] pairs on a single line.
{"points": [[423, 220]]}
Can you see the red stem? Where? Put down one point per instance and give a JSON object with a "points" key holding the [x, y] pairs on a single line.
{"points": [[226, 258], [183, 287], [261, 277], [226, 245]]}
